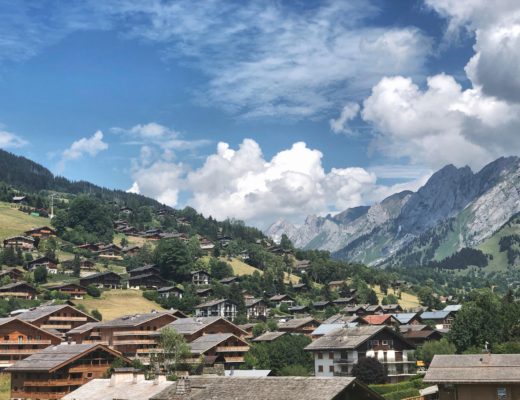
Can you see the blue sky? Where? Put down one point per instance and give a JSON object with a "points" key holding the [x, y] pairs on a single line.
{"points": [[258, 110]]}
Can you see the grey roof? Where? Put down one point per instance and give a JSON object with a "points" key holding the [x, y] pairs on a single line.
{"points": [[453, 307], [269, 336], [53, 357], [14, 285], [323, 329], [252, 302], [169, 289], [433, 315], [212, 303], [99, 274], [126, 321], [84, 328], [340, 319], [414, 327], [346, 338], [262, 388], [247, 373], [279, 297], [404, 318], [42, 311], [474, 368], [144, 268], [189, 326], [321, 303], [296, 323], [207, 342]]}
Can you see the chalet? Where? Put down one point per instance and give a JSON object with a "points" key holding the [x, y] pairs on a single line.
{"points": [[336, 285], [298, 310], [268, 337], [108, 279], [419, 334], [183, 221], [300, 287], [204, 292], [267, 388], [20, 290], [304, 326], [302, 265], [127, 230], [20, 339], [321, 305], [25, 243], [340, 319], [58, 370], [132, 335], [22, 200], [217, 308], [392, 309], [248, 328], [441, 319], [476, 376], [380, 319], [13, 273], [147, 269], [170, 291], [222, 348], [146, 281], [49, 264], [41, 232], [230, 280], [200, 278], [454, 308], [223, 240], [280, 299], [84, 264], [109, 251], [130, 251], [337, 352], [357, 309], [57, 318], [93, 247], [374, 309], [256, 309], [206, 246], [74, 290], [193, 328], [345, 301], [408, 318]]}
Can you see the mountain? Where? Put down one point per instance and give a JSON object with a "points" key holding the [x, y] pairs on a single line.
{"points": [[455, 209]]}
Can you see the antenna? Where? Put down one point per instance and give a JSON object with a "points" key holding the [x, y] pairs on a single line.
{"points": [[52, 206]]}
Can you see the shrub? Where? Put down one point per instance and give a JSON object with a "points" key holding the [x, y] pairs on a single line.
{"points": [[96, 314], [93, 291]]}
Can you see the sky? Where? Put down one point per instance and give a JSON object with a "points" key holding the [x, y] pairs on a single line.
{"points": [[260, 110]]}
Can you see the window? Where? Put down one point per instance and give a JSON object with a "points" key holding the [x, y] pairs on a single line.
{"points": [[320, 368], [331, 355], [320, 356], [89, 374], [6, 337], [501, 394], [384, 342], [331, 368], [374, 343]]}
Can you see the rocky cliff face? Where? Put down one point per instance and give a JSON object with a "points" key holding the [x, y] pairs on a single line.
{"points": [[476, 204]]}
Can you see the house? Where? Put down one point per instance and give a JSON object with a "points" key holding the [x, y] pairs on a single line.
{"points": [[204, 292], [206, 246], [336, 353], [256, 309], [200, 278], [357, 309], [476, 376], [13, 273], [22, 200], [20, 290], [229, 280], [146, 281], [248, 328], [84, 264], [304, 326], [374, 309], [108, 279], [269, 337], [25, 243], [455, 308], [57, 318], [345, 301], [111, 251], [74, 290], [325, 329], [336, 285], [147, 269], [419, 334], [49, 264], [126, 210], [302, 265], [41, 232], [222, 348], [300, 287], [381, 319], [341, 319], [223, 240], [19, 339], [280, 299], [321, 305], [170, 291], [408, 318], [298, 310], [92, 247], [130, 251], [58, 370], [217, 308], [193, 328], [441, 319], [266, 388], [392, 309], [131, 335]]}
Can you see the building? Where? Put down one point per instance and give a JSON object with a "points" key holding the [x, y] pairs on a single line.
{"points": [[19, 200], [84, 264], [336, 353], [41, 232], [336, 285], [193, 328], [300, 287], [74, 290], [19, 290], [298, 310], [417, 336], [110, 251], [147, 269], [146, 281], [170, 291], [356, 309], [217, 308], [476, 376], [280, 299], [304, 326], [131, 335], [345, 301], [441, 319], [19, 339], [392, 309], [302, 266], [200, 278], [204, 292], [58, 370], [321, 305], [381, 319], [13, 273], [256, 309], [130, 251], [26, 243], [266, 388], [229, 280], [57, 318], [219, 348], [49, 264], [408, 318], [269, 337], [109, 280]]}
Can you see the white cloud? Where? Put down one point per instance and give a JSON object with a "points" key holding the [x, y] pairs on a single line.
{"points": [[10, 140], [85, 146], [340, 124]]}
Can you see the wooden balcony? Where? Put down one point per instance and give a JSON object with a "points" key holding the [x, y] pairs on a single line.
{"points": [[95, 342], [132, 342], [232, 349], [61, 326], [66, 319], [89, 368], [136, 333], [234, 359], [18, 351], [56, 382], [148, 351], [38, 395], [25, 342]]}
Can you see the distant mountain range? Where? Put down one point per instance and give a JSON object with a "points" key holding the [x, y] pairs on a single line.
{"points": [[455, 209]]}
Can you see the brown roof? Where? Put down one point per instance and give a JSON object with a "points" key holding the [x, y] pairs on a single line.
{"points": [[269, 336], [474, 368], [189, 326], [297, 323], [43, 311], [207, 342]]}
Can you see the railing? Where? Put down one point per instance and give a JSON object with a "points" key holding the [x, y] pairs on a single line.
{"points": [[38, 395], [343, 361], [56, 382], [6, 342], [95, 342], [132, 342], [232, 349], [233, 359], [80, 319], [136, 333], [51, 326], [18, 351], [89, 368]]}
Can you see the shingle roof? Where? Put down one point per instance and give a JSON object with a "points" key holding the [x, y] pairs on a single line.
{"points": [[279, 297], [453, 307], [378, 319], [207, 342], [340, 318], [252, 302], [54, 356], [296, 323], [169, 288], [122, 322], [404, 318], [346, 338], [144, 268], [269, 336], [262, 388], [433, 315], [212, 303], [15, 285], [474, 368], [189, 326], [42, 311], [323, 329]]}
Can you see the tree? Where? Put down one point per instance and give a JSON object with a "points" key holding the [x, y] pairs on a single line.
{"points": [[40, 274], [89, 215], [174, 260], [434, 347], [220, 269], [96, 314], [372, 298], [93, 290], [76, 266], [124, 241], [369, 371], [285, 243], [259, 328], [174, 349]]}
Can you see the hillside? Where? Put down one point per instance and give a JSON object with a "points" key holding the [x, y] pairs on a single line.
{"points": [[14, 222]]}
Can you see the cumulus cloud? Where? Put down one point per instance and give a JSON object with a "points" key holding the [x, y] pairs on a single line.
{"points": [[340, 124], [85, 146], [10, 140]]}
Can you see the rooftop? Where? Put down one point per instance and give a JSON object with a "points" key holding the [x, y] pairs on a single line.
{"points": [[269, 336], [212, 303], [34, 314], [346, 338], [296, 323], [207, 342], [189, 326]]}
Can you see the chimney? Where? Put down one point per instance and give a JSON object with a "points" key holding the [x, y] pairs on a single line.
{"points": [[183, 386]]}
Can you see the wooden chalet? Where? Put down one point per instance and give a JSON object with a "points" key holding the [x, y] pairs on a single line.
{"points": [[56, 318], [19, 290], [109, 251], [419, 334], [19, 339], [107, 279], [13, 273], [146, 281], [93, 247], [126, 210], [298, 310], [84, 264], [408, 318], [321, 305], [222, 348], [269, 337], [392, 309], [280, 299], [195, 327], [256, 309], [204, 292], [74, 290], [373, 309], [170, 291], [58, 370], [130, 251], [206, 246], [441, 319], [345, 301], [380, 319], [49, 264], [300, 287], [146, 269], [132, 335], [22, 200], [217, 308], [304, 326], [200, 278], [41, 232], [336, 285], [302, 265], [356, 309], [25, 243], [229, 280]]}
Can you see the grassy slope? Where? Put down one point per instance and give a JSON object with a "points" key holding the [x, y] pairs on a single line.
{"points": [[5, 386], [132, 240], [115, 303], [14, 222], [407, 300], [491, 246]]}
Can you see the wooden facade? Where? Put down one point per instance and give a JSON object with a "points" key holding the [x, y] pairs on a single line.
{"points": [[109, 280], [26, 243]]}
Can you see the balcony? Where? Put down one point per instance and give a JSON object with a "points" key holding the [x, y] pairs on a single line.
{"points": [[61, 326], [136, 333], [25, 342], [38, 395], [56, 382], [133, 342], [232, 349], [343, 361], [234, 359], [18, 351], [67, 319]]}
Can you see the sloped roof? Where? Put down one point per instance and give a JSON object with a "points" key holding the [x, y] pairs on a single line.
{"points": [[296, 323], [144, 268], [4, 321], [269, 336], [340, 319], [15, 285], [378, 319], [453, 307], [212, 303], [404, 318], [346, 338], [323, 329], [207, 342], [170, 288], [189, 326], [474, 368], [43, 311], [278, 297], [433, 315], [252, 302]]}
